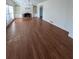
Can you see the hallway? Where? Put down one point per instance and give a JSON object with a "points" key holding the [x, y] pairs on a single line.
{"points": [[34, 38]]}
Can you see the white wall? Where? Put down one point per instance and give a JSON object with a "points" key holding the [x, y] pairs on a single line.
{"points": [[23, 6], [69, 21], [59, 12], [19, 10]]}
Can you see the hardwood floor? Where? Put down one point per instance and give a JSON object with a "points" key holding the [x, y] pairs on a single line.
{"points": [[34, 38]]}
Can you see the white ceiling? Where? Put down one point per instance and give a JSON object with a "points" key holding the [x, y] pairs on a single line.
{"points": [[26, 2], [37, 1]]}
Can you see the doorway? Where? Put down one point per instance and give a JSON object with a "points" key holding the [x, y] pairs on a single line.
{"points": [[34, 11], [41, 12]]}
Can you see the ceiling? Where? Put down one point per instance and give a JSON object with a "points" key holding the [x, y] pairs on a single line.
{"points": [[26, 2], [36, 1]]}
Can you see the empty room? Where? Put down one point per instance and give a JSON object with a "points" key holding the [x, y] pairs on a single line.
{"points": [[39, 29]]}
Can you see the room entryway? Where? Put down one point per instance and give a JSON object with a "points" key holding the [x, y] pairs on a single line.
{"points": [[41, 12]]}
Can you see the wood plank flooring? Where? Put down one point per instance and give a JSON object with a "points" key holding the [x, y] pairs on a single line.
{"points": [[34, 38]]}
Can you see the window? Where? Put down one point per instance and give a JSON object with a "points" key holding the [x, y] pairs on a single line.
{"points": [[9, 13]]}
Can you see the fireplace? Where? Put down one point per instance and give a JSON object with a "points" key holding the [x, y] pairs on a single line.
{"points": [[27, 15]]}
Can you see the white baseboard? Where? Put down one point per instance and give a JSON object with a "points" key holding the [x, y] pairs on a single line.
{"points": [[70, 36], [59, 27]]}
